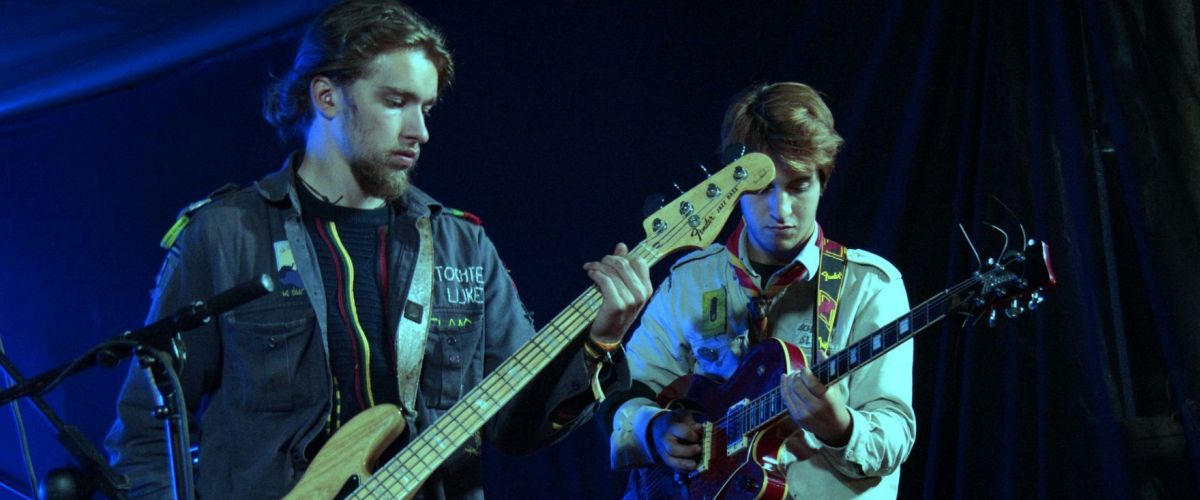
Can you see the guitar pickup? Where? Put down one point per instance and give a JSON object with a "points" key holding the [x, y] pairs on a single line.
{"points": [[737, 428]]}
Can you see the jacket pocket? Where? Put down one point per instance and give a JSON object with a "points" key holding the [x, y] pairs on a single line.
{"points": [[453, 359], [264, 357]]}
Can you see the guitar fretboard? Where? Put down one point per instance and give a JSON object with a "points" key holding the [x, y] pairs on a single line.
{"points": [[741, 420], [406, 472]]}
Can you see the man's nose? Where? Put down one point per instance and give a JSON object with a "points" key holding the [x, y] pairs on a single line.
{"points": [[414, 127], [780, 208]]}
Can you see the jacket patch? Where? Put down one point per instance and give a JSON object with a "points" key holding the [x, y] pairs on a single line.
{"points": [[451, 322], [461, 285], [285, 264], [713, 308]]}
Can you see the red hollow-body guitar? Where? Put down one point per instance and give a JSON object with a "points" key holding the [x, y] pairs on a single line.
{"points": [[744, 419]]}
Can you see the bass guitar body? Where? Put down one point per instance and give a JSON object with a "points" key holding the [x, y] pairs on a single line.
{"points": [[739, 459], [350, 456]]}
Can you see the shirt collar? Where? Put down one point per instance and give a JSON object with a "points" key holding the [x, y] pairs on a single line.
{"points": [[279, 185], [809, 256]]}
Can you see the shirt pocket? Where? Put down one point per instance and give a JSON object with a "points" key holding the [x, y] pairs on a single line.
{"points": [[453, 359], [264, 360]]}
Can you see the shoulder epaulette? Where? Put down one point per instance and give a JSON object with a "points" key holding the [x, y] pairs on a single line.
{"points": [[696, 255], [185, 215], [464, 215], [869, 259]]}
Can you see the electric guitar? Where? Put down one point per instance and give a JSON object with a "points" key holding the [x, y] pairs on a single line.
{"points": [[745, 421], [342, 469]]}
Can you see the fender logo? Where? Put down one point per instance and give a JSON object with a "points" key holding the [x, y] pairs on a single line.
{"points": [[835, 276]]}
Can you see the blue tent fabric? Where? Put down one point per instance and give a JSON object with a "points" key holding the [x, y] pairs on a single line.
{"points": [[57, 51]]}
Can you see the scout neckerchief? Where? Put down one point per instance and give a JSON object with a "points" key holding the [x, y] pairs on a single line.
{"points": [[414, 322], [830, 272]]}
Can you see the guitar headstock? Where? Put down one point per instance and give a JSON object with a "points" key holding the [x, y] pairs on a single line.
{"points": [[694, 219], [1014, 284]]}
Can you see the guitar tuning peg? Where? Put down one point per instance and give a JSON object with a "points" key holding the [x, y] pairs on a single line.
{"points": [[1035, 300], [677, 188], [704, 169], [1014, 309], [652, 203]]}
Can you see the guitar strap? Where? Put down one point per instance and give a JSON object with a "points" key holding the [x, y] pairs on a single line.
{"points": [[830, 274], [414, 323]]}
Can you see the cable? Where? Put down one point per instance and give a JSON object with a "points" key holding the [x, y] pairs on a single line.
{"points": [[24, 438]]}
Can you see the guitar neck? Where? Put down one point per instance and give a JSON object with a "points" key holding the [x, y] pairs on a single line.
{"points": [[404, 474], [885, 339], [770, 405]]}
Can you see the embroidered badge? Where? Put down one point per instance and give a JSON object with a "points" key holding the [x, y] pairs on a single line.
{"points": [[285, 264], [804, 334], [712, 310]]}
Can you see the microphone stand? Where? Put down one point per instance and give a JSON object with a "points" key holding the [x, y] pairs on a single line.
{"points": [[142, 342], [95, 468]]}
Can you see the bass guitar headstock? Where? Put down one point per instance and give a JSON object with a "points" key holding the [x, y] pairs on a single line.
{"points": [[694, 219]]}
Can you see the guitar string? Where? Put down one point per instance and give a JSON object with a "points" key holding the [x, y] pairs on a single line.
{"points": [[743, 414]]}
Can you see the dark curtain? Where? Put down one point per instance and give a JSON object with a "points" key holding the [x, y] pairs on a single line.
{"points": [[1075, 121]]}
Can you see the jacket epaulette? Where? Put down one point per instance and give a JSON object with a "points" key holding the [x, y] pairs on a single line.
{"points": [[185, 215], [464, 215], [696, 255], [866, 258]]}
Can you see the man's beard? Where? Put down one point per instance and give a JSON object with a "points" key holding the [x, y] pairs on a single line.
{"points": [[378, 180], [374, 176]]}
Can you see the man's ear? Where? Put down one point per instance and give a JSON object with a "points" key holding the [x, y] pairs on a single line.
{"points": [[323, 94]]}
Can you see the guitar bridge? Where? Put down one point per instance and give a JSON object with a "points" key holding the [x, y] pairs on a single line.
{"points": [[706, 440]]}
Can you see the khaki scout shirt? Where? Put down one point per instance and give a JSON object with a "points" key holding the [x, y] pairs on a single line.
{"points": [[681, 333]]}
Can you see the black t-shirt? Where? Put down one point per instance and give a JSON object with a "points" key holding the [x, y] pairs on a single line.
{"points": [[351, 250]]}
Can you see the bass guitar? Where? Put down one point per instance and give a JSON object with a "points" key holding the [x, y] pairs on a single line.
{"points": [[745, 421], [344, 468]]}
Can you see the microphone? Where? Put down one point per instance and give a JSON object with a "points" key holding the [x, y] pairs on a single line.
{"points": [[155, 334], [200, 312]]}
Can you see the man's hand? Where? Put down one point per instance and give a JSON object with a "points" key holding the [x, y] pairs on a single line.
{"points": [[819, 409], [624, 282], [676, 437]]}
